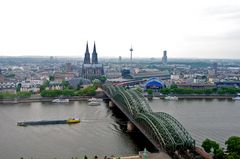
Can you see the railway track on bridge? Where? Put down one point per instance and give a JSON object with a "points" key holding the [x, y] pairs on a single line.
{"points": [[161, 129]]}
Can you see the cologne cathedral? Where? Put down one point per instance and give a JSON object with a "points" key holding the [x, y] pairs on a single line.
{"points": [[92, 69]]}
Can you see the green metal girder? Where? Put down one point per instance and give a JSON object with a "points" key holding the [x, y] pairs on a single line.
{"points": [[141, 102], [164, 129], [189, 140], [148, 124], [171, 126]]}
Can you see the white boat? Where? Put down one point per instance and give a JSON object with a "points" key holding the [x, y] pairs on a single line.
{"points": [[94, 103], [60, 100], [94, 100], [171, 98], [237, 97]]}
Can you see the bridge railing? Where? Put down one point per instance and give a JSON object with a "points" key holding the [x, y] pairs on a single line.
{"points": [[167, 133]]}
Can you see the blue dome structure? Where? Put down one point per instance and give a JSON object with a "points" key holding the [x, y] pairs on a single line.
{"points": [[154, 83]]}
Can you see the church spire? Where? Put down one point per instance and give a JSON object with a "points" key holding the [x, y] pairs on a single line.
{"points": [[87, 55], [94, 47], [94, 55]]}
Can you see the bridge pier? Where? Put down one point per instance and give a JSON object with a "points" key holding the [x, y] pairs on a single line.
{"points": [[111, 104], [130, 126]]}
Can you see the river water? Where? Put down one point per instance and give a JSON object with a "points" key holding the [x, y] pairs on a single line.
{"points": [[101, 132]]}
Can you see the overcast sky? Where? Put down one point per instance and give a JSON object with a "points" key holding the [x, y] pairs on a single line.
{"points": [[185, 28]]}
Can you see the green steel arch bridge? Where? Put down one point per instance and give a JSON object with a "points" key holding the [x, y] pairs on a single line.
{"points": [[160, 128]]}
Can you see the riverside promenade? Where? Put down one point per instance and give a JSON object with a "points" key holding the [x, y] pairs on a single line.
{"points": [[38, 98], [162, 155], [204, 96], [159, 155], [195, 96]]}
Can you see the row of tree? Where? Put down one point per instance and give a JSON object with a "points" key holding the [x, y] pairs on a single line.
{"points": [[8, 95], [88, 91], [232, 152], [223, 90]]}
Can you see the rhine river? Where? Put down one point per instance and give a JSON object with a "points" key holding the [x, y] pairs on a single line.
{"points": [[101, 132]]}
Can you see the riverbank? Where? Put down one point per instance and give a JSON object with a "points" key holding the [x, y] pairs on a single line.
{"points": [[204, 96], [38, 98], [196, 96], [41, 99]]}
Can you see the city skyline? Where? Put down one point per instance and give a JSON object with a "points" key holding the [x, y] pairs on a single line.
{"points": [[186, 29]]}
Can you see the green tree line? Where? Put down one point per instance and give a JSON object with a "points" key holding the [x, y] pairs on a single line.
{"points": [[88, 91], [232, 152], [223, 90], [12, 95]]}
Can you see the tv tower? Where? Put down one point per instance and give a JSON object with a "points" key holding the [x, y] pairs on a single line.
{"points": [[131, 50]]}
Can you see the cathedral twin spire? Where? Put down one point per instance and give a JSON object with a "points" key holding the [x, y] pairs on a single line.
{"points": [[87, 55]]}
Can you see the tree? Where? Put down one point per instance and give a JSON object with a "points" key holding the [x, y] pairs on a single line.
{"points": [[24, 94], [7, 95], [208, 91], [233, 155], [68, 92], [173, 86], [103, 79], [96, 82], [149, 92], [89, 91], [44, 85], [198, 91], [65, 84], [233, 144], [51, 93], [219, 154], [19, 85], [51, 77], [208, 144], [165, 91]]}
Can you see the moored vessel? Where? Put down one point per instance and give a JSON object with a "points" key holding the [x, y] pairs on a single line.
{"points": [[59, 100], [237, 97], [94, 100], [171, 98], [94, 103]]}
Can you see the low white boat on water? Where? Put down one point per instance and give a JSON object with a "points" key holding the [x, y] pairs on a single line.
{"points": [[94, 103], [171, 98], [60, 100], [94, 100], [237, 97]]}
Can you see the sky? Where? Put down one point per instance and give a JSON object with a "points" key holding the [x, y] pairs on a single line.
{"points": [[185, 28]]}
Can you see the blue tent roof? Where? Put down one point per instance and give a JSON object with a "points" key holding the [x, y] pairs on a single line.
{"points": [[153, 82]]}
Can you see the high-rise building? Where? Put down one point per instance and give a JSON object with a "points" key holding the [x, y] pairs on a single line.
{"points": [[68, 67], [215, 67], [164, 58], [120, 59], [92, 70]]}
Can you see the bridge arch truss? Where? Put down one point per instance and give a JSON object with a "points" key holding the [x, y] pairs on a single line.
{"points": [[166, 131]]}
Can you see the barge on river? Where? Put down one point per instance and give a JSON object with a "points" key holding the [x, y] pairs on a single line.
{"points": [[49, 122]]}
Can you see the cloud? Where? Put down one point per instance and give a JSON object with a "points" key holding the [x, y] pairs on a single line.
{"points": [[233, 35], [230, 12]]}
